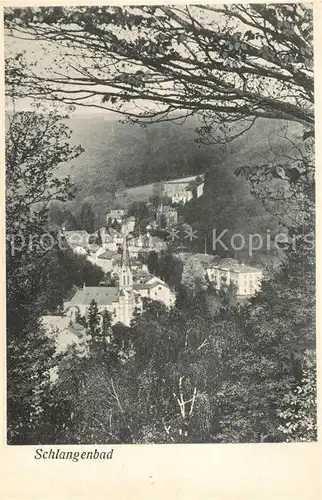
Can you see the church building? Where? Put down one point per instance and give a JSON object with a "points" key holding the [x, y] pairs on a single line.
{"points": [[120, 301]]}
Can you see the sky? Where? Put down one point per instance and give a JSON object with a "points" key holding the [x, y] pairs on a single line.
{"points": [[35, 49], [45, 55]]}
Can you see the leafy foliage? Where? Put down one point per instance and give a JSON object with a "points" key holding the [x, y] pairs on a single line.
{"points": [[30, 360], [226, 63], [193, 276], [298, 416], [139, 210], [35, 144]]}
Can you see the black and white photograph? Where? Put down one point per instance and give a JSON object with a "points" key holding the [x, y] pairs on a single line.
{"points": [[160, 224]]}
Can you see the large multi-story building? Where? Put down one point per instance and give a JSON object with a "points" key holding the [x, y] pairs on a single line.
{"points": [[183, 190], [246, 279], [115, 214]]}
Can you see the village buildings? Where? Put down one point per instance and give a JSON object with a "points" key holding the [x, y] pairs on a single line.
{"points": [[105, 259], [223, 272], [128, 225], [120, 301], [121, 256]]}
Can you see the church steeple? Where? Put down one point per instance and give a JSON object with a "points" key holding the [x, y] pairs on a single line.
{"points": [[125, 262], [126, 277]]}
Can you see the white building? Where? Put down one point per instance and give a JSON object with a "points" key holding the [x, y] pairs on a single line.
{"points": [[246, 279], [128, 225], [169, 213], [105, 259], [64, 332], [116, 214], [156, 289], [145, 243], [80, 250], [108, 238], [183, 190]]}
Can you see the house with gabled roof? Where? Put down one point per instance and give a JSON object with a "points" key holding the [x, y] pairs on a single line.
{"points": [[156, 289], [105, 259], [64, 332]]}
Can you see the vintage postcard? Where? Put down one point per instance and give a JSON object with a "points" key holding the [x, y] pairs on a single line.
{"points": [[159, 191]]}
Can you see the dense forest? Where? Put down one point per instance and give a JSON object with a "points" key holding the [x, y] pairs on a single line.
{"points": [[118, 156]]}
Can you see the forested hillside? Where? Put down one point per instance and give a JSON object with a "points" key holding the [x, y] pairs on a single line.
{"points": [[119, 156]]}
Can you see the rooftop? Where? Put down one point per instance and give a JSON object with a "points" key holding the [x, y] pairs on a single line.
{"points": [[67, 333], [108, 255], [184, 179], [204, 257], [229, 260], [116, 211], [60, 322], [103, 295], [145, 286], [141, 272], [151, 282], [76, 238], [237, 268]]}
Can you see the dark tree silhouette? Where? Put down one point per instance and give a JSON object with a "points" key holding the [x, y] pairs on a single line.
{"points": [[87, 218], [230, 63]]}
